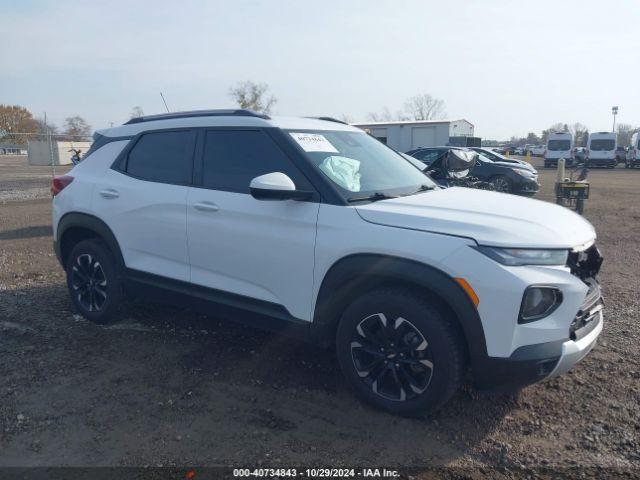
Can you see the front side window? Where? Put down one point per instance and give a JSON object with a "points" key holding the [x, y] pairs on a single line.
{"points": [[232, 158], [602, 145], [358, 163], [559, 145], [164, 157]]}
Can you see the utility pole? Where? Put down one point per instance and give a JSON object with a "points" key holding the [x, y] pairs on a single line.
{"points": [[614, 111]]}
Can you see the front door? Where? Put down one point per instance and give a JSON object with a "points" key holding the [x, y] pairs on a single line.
{"points": [[259, 249]]}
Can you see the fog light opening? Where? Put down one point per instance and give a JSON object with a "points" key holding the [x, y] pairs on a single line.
{"points": [[539, 302]]}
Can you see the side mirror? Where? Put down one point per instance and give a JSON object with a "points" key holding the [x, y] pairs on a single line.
{"points": [[276, 186]]}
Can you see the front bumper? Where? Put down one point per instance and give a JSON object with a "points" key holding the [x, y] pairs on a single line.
{"points": [[575, 350], [532, 363], [527, 186]]}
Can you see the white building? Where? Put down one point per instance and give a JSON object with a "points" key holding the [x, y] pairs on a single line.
{"points": [[41, 153], [406, 135]]}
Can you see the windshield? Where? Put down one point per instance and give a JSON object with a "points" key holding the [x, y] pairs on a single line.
{"points": [[559, 145], [602, 145], [358, 164]]}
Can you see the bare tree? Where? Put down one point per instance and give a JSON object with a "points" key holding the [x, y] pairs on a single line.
{"points": [[76, 126], [425, 107], [556, 127], [625, 131], [253, 96], [45, 128], [385, 115], [136, 112], [578, 131], [15, 119]]}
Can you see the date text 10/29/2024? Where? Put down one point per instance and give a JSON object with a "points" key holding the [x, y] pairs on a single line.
{"points": [[315, 472]]}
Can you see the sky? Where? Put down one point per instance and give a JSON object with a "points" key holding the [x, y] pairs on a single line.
{"points": [[509, 67]]}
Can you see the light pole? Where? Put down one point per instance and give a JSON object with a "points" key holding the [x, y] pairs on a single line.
{"points": [[614, 111]]}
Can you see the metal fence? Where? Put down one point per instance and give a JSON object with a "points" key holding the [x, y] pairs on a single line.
{"points": [[44, 146]]}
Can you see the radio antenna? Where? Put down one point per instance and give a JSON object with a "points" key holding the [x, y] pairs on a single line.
{"points": [[165, 102]]}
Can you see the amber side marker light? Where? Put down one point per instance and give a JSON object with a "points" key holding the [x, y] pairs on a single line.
{"points": [[467, 288]]}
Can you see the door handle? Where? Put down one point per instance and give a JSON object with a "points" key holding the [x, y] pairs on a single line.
{"points": [[109, 193], [206, 207]]}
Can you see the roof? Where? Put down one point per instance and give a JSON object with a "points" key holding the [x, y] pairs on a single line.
{"points": [[410, 122], [222, 118]]}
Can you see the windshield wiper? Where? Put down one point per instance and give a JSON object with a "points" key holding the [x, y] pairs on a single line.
{"points": [[372, 198], [423, 188]]}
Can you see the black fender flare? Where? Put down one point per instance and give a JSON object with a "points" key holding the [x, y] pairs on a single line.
{"points": [[354, 274], [89, 222]]}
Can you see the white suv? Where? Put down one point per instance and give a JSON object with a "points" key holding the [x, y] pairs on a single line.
{"points": [[313, 227]]}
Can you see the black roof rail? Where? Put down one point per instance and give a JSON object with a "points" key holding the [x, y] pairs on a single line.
{"points": [[198, 113], [330, 119]]}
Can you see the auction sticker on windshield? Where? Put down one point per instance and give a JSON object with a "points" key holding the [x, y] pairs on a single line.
{"points": [[313, 142]]}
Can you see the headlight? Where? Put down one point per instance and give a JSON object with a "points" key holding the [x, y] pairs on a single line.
{"points": [[523, 172], [538, 302], [525, 256]]}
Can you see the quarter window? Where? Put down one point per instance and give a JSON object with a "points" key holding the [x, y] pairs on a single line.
{"points": [[232, 158], [164, 157]]}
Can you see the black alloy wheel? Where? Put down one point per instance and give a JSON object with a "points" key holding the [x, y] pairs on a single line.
{"points": [[392, 357]]}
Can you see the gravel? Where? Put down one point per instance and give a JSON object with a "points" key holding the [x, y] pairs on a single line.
{"points": [[167, 386]]}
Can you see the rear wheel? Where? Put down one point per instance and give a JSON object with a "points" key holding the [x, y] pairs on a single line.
{"points": [[502, 183], [93, 281], [399, 352]]}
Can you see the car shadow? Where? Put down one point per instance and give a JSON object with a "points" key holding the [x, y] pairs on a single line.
{"points": [[170, 383], [27, 232]]}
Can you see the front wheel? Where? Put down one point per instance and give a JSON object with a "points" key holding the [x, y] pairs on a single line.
{"points": [[399, 352], [502, 184], [93, 281]]}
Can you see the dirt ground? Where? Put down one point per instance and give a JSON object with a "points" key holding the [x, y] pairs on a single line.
{"points": [[170, 387]]}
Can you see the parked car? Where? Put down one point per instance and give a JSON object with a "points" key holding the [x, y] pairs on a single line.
{"points": [[520, 151], [633, 152], [314, 228], [505, 177], [538, 150], [601, 149], [496, 157], [559, 145]]}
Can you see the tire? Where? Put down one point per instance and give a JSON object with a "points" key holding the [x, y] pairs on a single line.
{"points": [[502, 184], [433, 359], [91, 268]]}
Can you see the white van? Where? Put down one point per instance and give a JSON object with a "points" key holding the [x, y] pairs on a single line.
{"points": [[633, 153], [601, 149], [559, 145]]}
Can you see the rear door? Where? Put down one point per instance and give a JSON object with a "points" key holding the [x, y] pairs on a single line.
{"points": [[143, 199], [257, 249]]}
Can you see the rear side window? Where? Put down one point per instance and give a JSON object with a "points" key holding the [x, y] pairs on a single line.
{"points": [[428, 156], [164, 157], [232, 158]]}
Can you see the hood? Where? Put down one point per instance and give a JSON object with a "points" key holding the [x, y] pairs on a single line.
{"points": [[516, 164], [490, 218]]}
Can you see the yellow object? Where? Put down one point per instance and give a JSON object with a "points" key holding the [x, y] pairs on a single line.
{"points": [[467, 288]]}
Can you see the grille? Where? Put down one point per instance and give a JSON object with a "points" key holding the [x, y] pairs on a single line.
{"points": [[589, 311]]}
